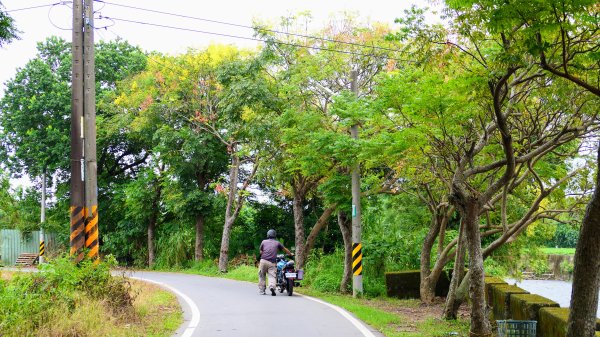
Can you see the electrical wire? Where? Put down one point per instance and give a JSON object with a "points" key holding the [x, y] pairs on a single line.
{"points": [[33, 7], [247, 38], [244, 26], [50, 11]]}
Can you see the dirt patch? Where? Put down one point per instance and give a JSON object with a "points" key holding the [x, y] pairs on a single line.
{"points": [[414, 312]]}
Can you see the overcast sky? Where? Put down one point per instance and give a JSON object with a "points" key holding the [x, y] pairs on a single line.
{"points": [[39, 23]]}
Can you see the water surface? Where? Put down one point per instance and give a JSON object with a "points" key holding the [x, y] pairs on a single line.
{"points": [[558, 291]]}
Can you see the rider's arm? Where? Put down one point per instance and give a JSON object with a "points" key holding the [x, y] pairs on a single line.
{"points": [[287, 251]]}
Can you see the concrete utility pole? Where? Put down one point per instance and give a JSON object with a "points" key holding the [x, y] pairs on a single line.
{"points": [[357, 286], [89, 112], [43, 218], [77, 237]]}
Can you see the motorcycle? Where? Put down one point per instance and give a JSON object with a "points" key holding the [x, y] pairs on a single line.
{"points": [[287, 275]]}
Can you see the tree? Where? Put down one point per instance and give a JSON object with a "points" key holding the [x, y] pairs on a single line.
{"points": [[8, 31], [241, 123], [8, 203], [479, 147], [310, 139], [563, 38], [35, 115]]}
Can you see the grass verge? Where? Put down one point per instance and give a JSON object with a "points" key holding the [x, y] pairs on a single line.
{"points": [[558, 251]]}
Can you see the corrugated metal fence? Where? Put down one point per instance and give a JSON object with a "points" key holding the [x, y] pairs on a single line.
{"points": [[14, 242]]}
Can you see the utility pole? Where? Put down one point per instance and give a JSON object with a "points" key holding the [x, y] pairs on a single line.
{"points": [[89, 112], [77, 237], [357, 286], [43, 218]]}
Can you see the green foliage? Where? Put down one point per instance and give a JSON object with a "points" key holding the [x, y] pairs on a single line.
{"points": [[324, 273], [27, 301], [558, 251], [8, 31], [393, 224], [8, 214], [566, 267], [565, 236], [175, 248], [244, 273]]}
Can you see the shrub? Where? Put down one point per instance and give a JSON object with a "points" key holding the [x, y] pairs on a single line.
{"points": [[565, 236], [30, 300], [175, 249], [324, 272]]}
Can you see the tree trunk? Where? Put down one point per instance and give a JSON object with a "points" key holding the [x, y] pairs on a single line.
{"points": [[346, 229], [151, 249], [442, 235], [427, 284], [298, 208], [319, 225], [480, 324], [452, 304], [229, 212], [586, 271], [152, 221], [199, 249], [462, 292]]}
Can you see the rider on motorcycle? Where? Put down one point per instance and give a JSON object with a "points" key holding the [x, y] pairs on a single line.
{"points": [[268, 257]]}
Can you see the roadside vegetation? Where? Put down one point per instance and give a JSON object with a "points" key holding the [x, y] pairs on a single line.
{"points": [[558, 251], [67, 300]]}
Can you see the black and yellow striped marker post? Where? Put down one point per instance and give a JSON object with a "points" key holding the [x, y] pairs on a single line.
{"points": [[42, 248], [91, 234], [357, 259], [77, 239]]}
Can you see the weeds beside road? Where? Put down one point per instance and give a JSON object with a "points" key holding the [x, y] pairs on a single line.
{"points": [[67, 300]]}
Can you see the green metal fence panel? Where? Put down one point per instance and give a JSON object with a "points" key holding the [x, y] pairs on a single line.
{"points": [[14, 242]]}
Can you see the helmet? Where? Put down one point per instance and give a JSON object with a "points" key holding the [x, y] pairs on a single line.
{"points": [[271, 234]]}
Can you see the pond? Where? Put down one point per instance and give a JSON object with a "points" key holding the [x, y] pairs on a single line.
{"points": [[558, 291]]}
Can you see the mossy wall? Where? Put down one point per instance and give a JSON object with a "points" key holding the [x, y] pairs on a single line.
{"points": [[489, 281], [553, 322], [405, 284], [500, 299], [526, 307], [506, 301]]}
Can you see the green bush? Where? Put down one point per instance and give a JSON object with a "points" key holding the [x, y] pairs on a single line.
{"points": [[205, 267], [30, 300], [324, 272], [566, 267], [565, 236], [175, 249]]}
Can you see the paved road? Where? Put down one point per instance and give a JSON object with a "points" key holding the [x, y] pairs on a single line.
{"points": [[215, 307]]}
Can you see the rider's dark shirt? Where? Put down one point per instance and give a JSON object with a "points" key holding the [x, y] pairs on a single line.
{"points": [[269, 249]]}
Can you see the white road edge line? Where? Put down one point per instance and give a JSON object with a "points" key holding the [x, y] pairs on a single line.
{"points": [[361, 327], [189, 331]]}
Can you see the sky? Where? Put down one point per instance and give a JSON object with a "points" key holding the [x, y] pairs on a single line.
{"points": [[39, 23], [36, 24]]}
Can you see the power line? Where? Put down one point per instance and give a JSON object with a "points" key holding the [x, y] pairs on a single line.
{"points": [[245, 38], [248, 27], [34, 7]]}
